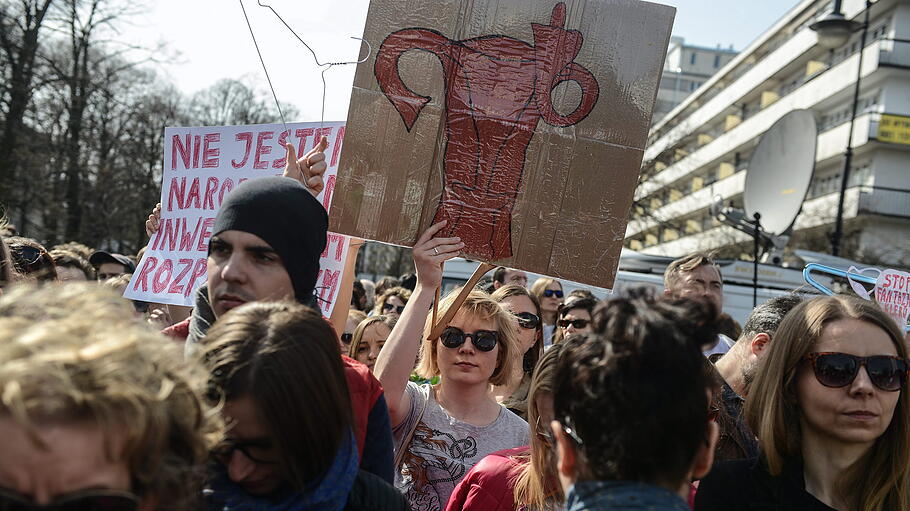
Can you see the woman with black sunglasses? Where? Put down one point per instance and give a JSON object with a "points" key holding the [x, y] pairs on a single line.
{"points": [[526, 309], [523, 478], [31, 259], [442, 430], [831, 415], [549, 293], [392, 302]]}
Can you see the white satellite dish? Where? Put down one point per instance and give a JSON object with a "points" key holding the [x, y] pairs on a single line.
{"points": [[780, 171]]}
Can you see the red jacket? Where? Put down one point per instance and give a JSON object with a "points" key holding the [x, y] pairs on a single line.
{"points": [[490, 485], [365, 390]]}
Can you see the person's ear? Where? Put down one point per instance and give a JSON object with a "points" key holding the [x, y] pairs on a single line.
{"points": [[704, 457], [759, 343], [667, 293], [566, 457]]}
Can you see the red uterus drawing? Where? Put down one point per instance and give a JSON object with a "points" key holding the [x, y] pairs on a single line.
{"points": [[496, 90]]}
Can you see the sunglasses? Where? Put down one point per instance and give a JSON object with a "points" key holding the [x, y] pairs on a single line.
{"points": [[840, 369], [347, 338], [483, 340], [224, 451], [577, 323], [550, 293], [388, 307], [528, 320], [88, 500], [27, 258]]}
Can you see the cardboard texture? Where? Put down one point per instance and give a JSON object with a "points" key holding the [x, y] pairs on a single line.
{"points": [[521, 122]]}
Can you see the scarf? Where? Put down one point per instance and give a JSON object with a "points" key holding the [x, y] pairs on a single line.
{"points": [[328, 493]]}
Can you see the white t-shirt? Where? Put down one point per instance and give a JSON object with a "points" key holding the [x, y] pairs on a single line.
{"points": [[443, 449]]}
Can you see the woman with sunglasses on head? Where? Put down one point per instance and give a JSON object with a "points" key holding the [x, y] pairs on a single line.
{"points": [[574, 317], [526, 309], [392, 302], [525, 477], [369, 338], [549, 292], [31, 259], [442, 430], [831, 416]]}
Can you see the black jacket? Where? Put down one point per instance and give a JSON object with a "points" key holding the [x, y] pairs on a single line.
{"points": [[746, 485], [371, 493]]}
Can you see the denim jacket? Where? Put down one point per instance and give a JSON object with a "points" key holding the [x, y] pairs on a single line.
{"points": [[622, 495]]}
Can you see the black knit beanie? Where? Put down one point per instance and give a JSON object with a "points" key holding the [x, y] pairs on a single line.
{"points": [[285, 215]]}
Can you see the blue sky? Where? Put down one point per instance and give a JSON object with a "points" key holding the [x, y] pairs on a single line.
{"points": [[726, 22], [208, 40]]}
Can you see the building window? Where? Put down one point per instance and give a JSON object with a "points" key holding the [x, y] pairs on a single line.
{"points": [[692, 58], [716, 61]]}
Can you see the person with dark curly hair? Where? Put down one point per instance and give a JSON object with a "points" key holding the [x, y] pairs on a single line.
{"points": [[633, 424]]}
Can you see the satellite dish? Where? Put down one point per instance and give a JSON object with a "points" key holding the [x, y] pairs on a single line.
{"points": [[780, 171]]}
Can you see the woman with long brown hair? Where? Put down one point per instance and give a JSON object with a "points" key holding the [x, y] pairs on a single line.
{"points": [[526, 309], [527, 474], [830, 411]]}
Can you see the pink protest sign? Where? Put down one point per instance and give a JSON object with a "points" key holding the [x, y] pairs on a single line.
{"points": [[892, 292], [201, 167]]}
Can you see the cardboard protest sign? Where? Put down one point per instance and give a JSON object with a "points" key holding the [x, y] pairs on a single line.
{"points": [[201, 166], [522, 122], [892, 292]]}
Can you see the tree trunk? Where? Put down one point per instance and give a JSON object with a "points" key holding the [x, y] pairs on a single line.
{"points": [[21, 59]]}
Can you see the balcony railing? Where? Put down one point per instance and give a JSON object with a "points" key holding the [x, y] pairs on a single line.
{"points": [[881, 200]]}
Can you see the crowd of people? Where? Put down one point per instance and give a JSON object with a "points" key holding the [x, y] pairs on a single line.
{"points": [[521, 399]]}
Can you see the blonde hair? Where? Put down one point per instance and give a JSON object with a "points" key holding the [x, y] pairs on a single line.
{"points": [[478, 304], [537, 483], [356, 316], [540, 285], [880, 479], [74, 353], [362, 328]]}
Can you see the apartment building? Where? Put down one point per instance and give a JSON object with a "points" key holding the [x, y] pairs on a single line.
{"points": [[703, 146], [686, 67]]}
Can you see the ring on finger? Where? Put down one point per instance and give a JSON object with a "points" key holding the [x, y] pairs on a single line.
{"points": [[435, 251]]}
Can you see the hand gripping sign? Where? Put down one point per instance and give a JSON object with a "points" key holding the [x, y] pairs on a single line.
{"points": [[521, 122], [201, 167]]}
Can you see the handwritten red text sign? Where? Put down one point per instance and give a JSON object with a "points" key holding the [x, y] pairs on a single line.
{"points": [[201, 167], [892, 292]]}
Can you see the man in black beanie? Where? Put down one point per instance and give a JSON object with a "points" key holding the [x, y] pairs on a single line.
{"points": [[266, 243]]}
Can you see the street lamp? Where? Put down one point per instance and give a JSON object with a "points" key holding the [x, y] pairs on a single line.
{"points": [[834, 30]]}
